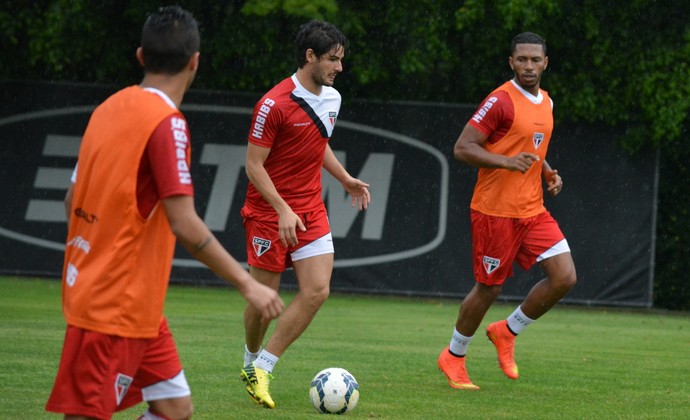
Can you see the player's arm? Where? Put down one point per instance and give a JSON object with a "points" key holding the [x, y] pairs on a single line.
{"points": [[554, 182], [195, 236], [288, 221], [470, 148], [358, 190]]}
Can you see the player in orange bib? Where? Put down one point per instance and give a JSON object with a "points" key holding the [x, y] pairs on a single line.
{"points": [[507, 139], [130, 201]]}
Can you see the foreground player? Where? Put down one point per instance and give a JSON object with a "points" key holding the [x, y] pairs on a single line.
{"points": [[284, 215], [507, 138], [133, 195]]}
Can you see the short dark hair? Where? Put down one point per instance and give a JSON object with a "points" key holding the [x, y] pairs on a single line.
{"points": [[169, 39], [527, 38], [318, 36]]}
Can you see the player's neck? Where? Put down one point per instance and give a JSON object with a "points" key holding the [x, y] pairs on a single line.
{"points": [[173, 86], [308, 82], [532, 90]]}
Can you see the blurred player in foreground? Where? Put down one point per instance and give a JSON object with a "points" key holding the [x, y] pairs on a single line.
{"points": [[132, 198], [507, 138], [284, 214]]}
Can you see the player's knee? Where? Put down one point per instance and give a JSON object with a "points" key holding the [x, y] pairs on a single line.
{"points": [[185, 412], [488, 292], [189, 413], [571, 280], [177, 409], [566, 280], [317, 295], [322, 294]]}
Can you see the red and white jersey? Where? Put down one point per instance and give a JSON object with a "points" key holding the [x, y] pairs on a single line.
{"points": [[296, 125], [164, 171]]}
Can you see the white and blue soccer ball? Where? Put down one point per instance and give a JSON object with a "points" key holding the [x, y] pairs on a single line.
{"points": [[334, 391]]}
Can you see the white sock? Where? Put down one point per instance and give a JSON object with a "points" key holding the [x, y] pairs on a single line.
{"points": [[148, 415], [249, 356], [266, 361], [518, 321], [459, 343]]}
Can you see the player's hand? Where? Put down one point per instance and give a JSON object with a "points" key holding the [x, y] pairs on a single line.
{"points": [[265, 300], [359, 191], [554, 182], [521, 162], [288, 223]]}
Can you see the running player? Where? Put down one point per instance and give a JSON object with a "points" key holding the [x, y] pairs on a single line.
{"points": [[507, 138]]}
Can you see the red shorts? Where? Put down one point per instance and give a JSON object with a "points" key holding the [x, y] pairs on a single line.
{"points": [[498, 242], [100, 374], [264, 248]]}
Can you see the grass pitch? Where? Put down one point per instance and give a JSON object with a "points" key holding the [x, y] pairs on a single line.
{"points": [[574, 362]]}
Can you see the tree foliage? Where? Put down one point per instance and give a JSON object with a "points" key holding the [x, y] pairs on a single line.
{"points": [[624, 63], [617, 62]]}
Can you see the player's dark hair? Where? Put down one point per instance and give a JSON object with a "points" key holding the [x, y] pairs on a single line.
{"points": [[169, 39], [527, 38], [320, 37]]}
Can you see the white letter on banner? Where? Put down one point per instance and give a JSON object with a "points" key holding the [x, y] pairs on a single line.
{"points": [[377, 172]]}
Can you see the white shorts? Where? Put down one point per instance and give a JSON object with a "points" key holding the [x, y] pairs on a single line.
{"points": [[176, 387], [323, 245], [560, 248]]}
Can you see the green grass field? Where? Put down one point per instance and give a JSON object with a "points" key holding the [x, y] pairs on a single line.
{"points": [[574, 363]]}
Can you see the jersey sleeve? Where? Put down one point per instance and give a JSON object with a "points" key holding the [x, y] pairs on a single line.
{"points": [[169, 153], [494, 115], [266, 121]]}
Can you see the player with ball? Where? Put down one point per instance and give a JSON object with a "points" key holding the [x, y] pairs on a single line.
{"points": [[284, 215]]}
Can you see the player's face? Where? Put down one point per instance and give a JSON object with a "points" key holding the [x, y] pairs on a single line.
{"points": [[328, 66], [528, 62]]}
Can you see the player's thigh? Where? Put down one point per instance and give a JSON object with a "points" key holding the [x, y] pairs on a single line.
{"points": [[160, 375], [98, 374], [560, 269], [267, 277], [495, 243], [264, 248], [543, 240], [314, 273]]}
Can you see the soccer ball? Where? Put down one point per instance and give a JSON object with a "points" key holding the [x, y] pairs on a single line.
{"points": [[334, 391]]}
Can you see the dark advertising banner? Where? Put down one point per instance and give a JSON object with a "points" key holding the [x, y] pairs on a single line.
{"points": [[413, 240]]}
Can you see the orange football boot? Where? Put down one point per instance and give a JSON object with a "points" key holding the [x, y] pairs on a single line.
{"points": [[504, 340], [454, 369]]}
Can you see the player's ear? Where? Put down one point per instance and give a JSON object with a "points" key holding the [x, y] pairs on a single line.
{"points": [[194, 61], [140, 56], [311, 56]]}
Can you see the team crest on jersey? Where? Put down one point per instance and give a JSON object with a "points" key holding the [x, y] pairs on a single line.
{"points": [[332, 116], [122, 383], [490, 264], [537, 138], [260, 245]]}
